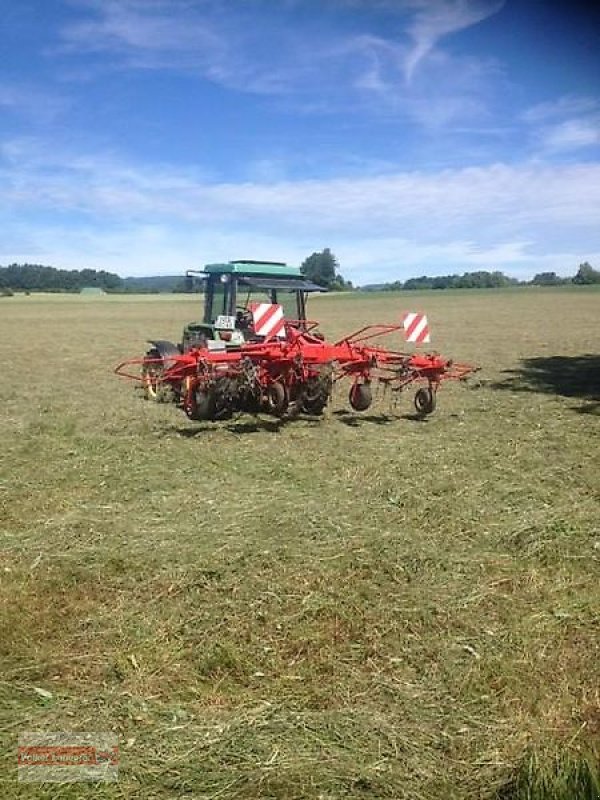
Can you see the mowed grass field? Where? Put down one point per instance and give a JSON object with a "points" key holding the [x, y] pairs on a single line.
{"points": [[367, 606]]}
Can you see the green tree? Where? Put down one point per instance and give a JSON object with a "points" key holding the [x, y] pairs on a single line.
{"points": [[586, 275], [419, 283], [547, 279], [322, 268]]}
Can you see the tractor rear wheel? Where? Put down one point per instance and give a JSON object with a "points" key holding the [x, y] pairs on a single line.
{"points": [[425, 401], [153, 370]]}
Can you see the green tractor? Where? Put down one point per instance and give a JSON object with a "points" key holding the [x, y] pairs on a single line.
{"points": [[230, 292]]}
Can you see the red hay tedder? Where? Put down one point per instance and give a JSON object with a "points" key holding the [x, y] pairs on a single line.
{"points": [[251, 358]]}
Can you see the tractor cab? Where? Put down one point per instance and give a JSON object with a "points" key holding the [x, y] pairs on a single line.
{"points": [[232, 293]]}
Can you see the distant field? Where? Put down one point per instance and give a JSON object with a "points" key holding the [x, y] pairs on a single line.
{"points": [[367, 606]]}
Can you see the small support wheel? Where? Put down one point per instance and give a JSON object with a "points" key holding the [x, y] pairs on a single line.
{"points": [[276, 398], [317, 393], [425, 401], [314, 406], [152, 373], [361, 396], [201, 405]]}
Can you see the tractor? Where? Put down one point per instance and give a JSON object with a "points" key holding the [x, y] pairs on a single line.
{"points": [[230, 290], [256, 351]]}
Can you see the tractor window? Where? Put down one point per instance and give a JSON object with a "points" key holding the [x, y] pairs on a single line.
{"points": [[289, 302], [286, 292], [250, 294], [219, 299], [287, 298]]}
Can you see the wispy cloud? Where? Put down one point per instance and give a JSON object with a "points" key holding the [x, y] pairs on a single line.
{"points": [[568, 123], [561, 107], [572, 135], [221, 42], [435, 19], [209, 39], [135, 35], [31, 102]]}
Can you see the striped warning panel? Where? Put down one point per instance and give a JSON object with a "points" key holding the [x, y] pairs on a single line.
{"points": [[268, 319], [416, 328]]}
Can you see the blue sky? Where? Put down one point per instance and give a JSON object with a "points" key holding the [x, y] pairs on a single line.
{"points": [[409, 136]]}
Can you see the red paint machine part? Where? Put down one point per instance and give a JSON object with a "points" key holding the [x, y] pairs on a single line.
{"points": [[294, 373]]}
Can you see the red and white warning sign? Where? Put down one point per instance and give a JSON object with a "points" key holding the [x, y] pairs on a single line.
{"points": [[268, 319], [416, 328]]}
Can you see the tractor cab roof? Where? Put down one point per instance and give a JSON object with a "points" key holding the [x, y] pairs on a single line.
{"points": [[283, 284], [244, 267]]}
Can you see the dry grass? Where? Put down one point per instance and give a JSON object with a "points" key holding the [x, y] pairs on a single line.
{"points": [[368, 606]]}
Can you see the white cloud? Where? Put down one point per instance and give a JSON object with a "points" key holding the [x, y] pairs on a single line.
{"points": [[161, 249], [565, 124], [571, 135], [374, 260], [561, 107], [500, 216], [138, 25], [35, 104]]}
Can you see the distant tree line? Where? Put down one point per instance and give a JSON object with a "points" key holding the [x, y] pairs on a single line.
{"points": [[320, 267], [469, 280], [36, 278], [585, 275]]}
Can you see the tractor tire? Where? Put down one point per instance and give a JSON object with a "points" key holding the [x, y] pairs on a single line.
{"points": [[425, 401], [152, 372], [360, 396]]}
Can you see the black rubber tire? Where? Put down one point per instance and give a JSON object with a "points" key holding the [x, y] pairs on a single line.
{"points": [[360, 396], [317, 394], [425, 401], [203, 407], [314, 406]]}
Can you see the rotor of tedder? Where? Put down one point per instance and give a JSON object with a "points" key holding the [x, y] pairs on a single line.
{"points": [[292, 374]]}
